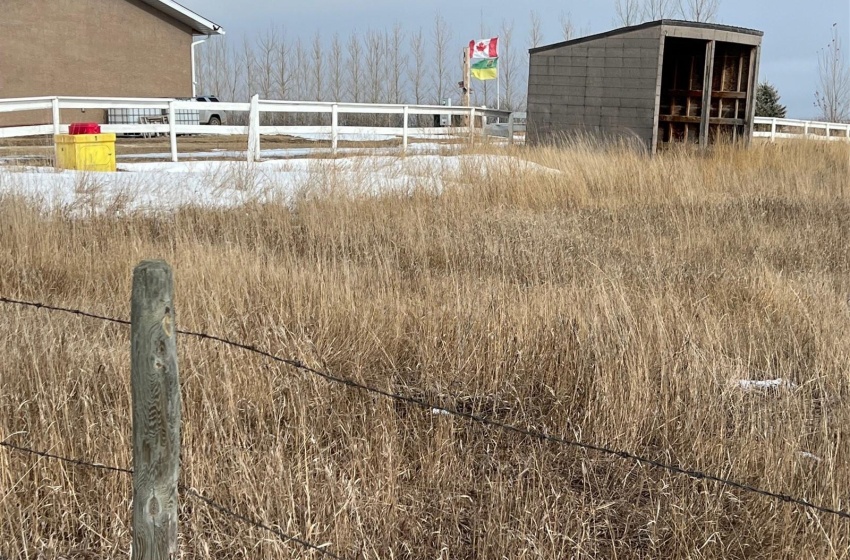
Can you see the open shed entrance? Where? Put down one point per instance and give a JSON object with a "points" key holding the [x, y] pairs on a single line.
{"points": [[690, 87]]}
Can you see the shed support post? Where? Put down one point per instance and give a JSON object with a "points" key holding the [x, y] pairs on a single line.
{"points": [[708, 78], [750, 103]]}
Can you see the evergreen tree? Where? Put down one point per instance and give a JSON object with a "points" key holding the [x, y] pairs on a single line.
{"points": [[767, 102]]}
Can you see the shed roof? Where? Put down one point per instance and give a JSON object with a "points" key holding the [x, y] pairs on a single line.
{"points": [[647, 25], [200, 25]]}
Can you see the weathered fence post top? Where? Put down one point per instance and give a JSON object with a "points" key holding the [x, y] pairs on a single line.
{"points": [[156, 412]]}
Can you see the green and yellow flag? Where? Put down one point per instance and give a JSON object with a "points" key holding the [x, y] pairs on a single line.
{"points": [[485, 68]]}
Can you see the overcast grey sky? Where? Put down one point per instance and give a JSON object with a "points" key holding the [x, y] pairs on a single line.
{"points": [[794, 30]]}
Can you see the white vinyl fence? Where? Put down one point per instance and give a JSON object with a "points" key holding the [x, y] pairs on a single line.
{"points": [[772, 128], [476, 117]]}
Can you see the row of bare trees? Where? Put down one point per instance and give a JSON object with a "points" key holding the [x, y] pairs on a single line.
{"points": [[422, 66], [631, 12]]}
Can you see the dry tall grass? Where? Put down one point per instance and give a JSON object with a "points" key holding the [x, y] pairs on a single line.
{"points": [[617, 302]]}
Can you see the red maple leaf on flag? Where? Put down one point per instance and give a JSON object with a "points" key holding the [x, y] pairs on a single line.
{"points": [[480, 46]]}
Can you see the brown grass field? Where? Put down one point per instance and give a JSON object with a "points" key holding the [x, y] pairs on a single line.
{"points": [[618, 302]]}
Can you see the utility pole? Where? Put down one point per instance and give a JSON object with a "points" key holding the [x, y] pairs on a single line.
{"points": [[467, 82]]}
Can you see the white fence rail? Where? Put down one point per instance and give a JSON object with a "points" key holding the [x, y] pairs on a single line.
{"points": [[772, 128], [475, 118]]}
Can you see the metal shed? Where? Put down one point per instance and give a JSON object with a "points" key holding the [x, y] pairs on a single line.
{"points": [[650, 82]]}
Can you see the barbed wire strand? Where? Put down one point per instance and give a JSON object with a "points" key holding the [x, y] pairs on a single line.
{"points": [[46, 307], [281, 535], [76, 462], [183, 488], [421, 403]]}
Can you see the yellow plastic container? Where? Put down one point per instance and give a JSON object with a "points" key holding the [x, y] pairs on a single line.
{"points": [[85, 152]]}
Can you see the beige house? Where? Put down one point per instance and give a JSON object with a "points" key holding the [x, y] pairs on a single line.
{"points": [[96, 48]]}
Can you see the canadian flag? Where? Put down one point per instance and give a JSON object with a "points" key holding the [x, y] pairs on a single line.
{"points": [[484, 48]]}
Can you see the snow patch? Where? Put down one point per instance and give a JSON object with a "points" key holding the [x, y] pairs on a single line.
{"points": [[750, 385]]}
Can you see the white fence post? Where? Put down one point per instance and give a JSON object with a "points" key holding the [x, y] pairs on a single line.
{"points": [[254, 130], [56, 128], [405, 115], [827, 131], [848, 132], [334, 128], [511, 128], [806, 129], [773, 130], [57, 118], [471, 126], [172, 131]]}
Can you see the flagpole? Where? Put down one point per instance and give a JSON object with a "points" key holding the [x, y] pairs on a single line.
{"points": [[466, 84], [498, 88]]}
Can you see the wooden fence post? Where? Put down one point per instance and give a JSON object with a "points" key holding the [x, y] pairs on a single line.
{"points": [[156, 412]]}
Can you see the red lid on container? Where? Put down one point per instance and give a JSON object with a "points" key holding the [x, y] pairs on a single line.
{"points": [[84, 128]]}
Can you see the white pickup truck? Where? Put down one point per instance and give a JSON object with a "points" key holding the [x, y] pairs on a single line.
{"points": [[212, 116]]}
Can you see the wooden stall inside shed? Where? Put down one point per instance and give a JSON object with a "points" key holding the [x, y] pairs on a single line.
{"points": [[694, 71]]}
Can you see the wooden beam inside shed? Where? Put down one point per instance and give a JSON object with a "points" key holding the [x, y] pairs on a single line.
{"points": [[706, 92]]}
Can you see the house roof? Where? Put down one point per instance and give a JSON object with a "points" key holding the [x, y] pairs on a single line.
{"points": [[200, 25], [647, 25]]}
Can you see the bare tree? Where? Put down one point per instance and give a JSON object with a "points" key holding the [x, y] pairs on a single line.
{"points": [[236, 73], [395, 64], [283, 70], [217, 74], [568, 30], [300, 74], [442, 37], [699, 10], [249, 63], [507, 71], [318, 69], [335, 68], [627, 12], [535, 32], [267, 49], [414, 72], [833, 95], [375, 66], [355, 76], [660, 9]]}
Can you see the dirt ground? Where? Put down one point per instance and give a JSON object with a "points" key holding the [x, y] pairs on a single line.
{"points": [[38, 150]]}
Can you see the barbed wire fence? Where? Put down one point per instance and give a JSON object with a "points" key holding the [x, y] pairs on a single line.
{"points": [[406, 399], [183, 488]]}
